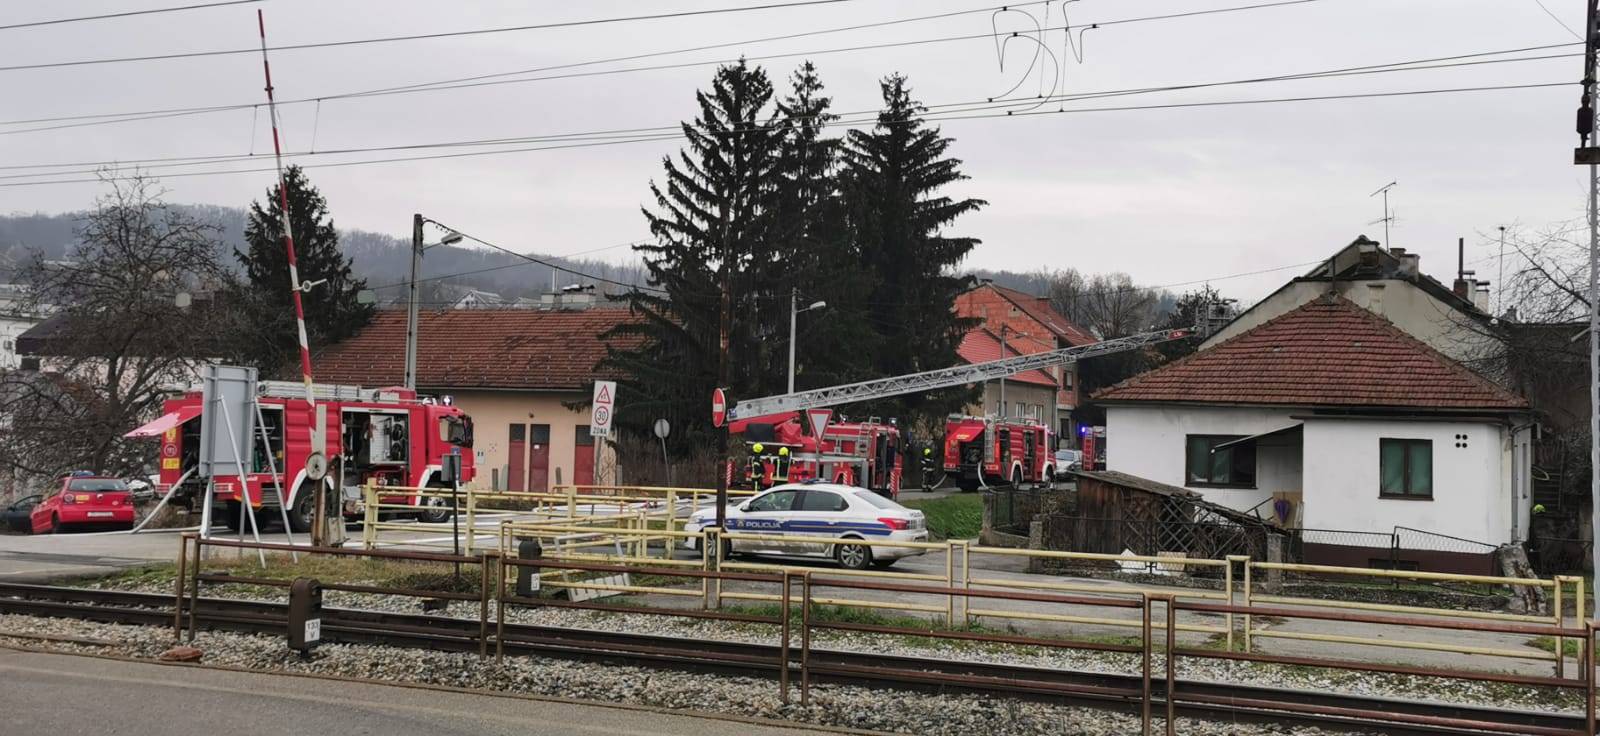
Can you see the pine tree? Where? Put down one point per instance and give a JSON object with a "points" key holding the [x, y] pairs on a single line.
{"points": [[331, 307], [713, 223], [892, 179]]}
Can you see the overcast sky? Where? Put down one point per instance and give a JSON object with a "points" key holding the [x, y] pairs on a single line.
{"points": [[1167, 195]]}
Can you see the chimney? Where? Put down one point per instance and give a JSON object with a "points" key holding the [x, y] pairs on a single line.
{"points": [[1480, 296], [1464, 285]]}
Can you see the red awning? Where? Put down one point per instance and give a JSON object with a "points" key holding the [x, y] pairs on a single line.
{"points": [[966, 432], [165, 422]]}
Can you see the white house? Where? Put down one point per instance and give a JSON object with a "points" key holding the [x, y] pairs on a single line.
{"points": [[1331, 418]]}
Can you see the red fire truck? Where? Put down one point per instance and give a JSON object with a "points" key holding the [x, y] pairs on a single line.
{"points": [[389, 435], [864, 454], [985, 451]]}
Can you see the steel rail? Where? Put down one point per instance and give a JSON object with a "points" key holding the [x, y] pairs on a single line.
{"points": [[1199, 699]]}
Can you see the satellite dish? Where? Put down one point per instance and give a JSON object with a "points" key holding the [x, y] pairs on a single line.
{"points": [[316, 466], [663, 428]]}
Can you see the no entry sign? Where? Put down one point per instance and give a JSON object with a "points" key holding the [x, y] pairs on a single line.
{"points": [[719, 408]]}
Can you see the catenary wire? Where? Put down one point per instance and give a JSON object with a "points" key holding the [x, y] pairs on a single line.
{"points": [[97, 119], [125, 14], [1399, 66], [953, 116], [422, 36]]}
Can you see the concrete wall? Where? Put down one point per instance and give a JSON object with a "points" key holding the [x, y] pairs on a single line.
{"points": [[1470, 498], [493, 413], [1413, 310], [1148, 441]]}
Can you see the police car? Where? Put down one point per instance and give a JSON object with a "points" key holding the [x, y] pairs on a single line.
{"points": [[815, 509]]}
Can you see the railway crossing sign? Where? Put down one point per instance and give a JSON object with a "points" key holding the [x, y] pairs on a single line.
{"points": [[719, 408], [605, 404]]}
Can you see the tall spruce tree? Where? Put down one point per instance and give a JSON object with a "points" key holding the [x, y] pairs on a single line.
{"points": [[834, 346], [892, 179], [332, 309], [713, 226]]}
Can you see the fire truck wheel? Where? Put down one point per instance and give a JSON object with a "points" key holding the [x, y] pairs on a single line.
{"points": [[1016, 477], [853, 556], [436, 510], [304, 510]]}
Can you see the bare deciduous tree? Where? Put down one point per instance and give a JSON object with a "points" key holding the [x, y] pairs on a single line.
{"points": [[115, 344]]}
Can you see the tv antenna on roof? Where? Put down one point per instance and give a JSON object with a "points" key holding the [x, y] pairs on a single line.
{"points": [[1388, 215]]}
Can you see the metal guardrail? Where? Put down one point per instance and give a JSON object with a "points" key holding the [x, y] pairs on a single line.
{"points": [[496, 587]]}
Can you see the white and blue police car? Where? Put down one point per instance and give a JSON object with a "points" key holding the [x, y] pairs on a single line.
{"points": [[800, 510]]}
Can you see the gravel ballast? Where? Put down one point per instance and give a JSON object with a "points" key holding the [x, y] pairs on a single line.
{"points": [[835, 706]]}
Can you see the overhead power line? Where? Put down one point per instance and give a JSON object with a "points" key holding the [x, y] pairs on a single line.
{"points": [[541, 261], [125, 14], [423, 36], [950, 116], [1453, 61], [489, 80], [501, 267]]}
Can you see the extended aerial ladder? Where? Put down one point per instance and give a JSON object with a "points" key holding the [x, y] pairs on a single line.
{"points": [[945, 377]]}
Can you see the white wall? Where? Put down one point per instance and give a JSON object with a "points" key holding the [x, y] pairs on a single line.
{"points": [[1148, 441], [1470, 499]]}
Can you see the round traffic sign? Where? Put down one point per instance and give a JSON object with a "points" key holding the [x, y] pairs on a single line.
{"points": [[602, 416], [719, 408], [663, 428]]}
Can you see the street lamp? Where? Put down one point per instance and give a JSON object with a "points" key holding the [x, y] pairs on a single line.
{"points": [[794, 311], [450, 238]]}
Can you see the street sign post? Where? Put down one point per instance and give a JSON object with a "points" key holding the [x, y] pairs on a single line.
{"points": [[605, 405]]}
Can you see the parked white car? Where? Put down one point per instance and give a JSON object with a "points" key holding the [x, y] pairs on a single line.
{"points": [[1069, 459], [820, 510]]}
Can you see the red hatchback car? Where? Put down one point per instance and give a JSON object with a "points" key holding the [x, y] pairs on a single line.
{"points": [[85, 501]]}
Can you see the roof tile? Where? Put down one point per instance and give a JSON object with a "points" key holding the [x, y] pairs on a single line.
{"points": [[480, 348], [1328, 352]]}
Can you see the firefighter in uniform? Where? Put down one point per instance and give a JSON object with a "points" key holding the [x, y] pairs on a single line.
{"points": [[927, 469]]}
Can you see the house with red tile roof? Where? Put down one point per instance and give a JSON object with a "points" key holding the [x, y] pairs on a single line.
{"points": [[1026, 395], [1332, 419], [1029, 324], [523, 375]]}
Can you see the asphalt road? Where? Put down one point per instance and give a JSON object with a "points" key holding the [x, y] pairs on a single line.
{"points": [[64, 695]]}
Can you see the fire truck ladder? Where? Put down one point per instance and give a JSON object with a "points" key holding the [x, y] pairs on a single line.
{"points": [[944, 377]]}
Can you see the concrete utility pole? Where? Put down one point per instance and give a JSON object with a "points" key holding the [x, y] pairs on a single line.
{"points": [[1003, 378], [411, 307], [1590, 155]]}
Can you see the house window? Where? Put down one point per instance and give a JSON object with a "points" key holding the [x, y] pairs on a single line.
{"points": [[1405, 468], [1038, 411], [1233, 466], [1066, 379]]}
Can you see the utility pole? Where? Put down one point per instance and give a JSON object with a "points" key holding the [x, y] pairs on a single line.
{"points": [[1589, 155], [411, 308], [725, 316], [1500, 280], [794, 311], [1002, 378]]}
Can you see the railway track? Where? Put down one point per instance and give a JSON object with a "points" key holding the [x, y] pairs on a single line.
{"points": [[1198, 699]]}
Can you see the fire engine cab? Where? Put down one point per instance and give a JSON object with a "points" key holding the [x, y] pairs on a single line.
{"points": [[862, 454], [985, 451], [389, 435]]}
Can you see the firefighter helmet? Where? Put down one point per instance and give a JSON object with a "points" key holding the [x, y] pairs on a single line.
{"points": [[757, 448], [926, 451], [783, 452]]}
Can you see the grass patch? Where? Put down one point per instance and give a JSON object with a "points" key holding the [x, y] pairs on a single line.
{"points": [[1571, 648], [428, 576], [952, 517]]}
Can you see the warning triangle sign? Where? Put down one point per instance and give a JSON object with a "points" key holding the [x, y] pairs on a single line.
{"points": [[819, 420], [604, 397]]}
